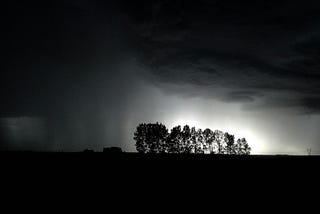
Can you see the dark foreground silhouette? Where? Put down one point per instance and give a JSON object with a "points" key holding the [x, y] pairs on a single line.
{"points": [[148, 178], [136, 172], [155, 138], [115, 159]]}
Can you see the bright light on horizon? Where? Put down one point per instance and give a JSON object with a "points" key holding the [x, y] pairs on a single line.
{"points": [[261, 129]]}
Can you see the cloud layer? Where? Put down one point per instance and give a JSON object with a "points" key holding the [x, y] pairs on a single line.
{"points": [[84, 73], [250, 50]]}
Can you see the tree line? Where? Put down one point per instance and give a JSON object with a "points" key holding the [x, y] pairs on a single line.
{"points": [[155, 138]]}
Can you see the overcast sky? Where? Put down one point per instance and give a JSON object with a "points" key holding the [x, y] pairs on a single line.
{"points": [[83, 74]]}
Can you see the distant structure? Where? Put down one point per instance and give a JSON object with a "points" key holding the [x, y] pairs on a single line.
{"points": [[112, 150], [88, 150]]}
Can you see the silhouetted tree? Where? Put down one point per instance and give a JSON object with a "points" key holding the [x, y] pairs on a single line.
{"points": [[208, 141], [186, 140], [154, 138], [193, 140], [230, 145], [219, 142], [242, 147], [140, 138], [199, 142], [174, 140], [151, 138]]}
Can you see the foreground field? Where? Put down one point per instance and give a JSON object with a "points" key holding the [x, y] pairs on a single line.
{"points": [[100, 161], [135, 172]]}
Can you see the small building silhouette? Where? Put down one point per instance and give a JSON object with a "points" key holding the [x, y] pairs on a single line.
{"points": [[88, 150], [112, 150]]}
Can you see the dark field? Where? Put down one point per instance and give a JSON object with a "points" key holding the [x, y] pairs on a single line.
{"points": [[111, 174], [157, 163]]}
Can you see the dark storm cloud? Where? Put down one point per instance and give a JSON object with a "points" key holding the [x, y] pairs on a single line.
{"points": [[268, 48], [241, 96], [60, 64], [82, 73]]}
